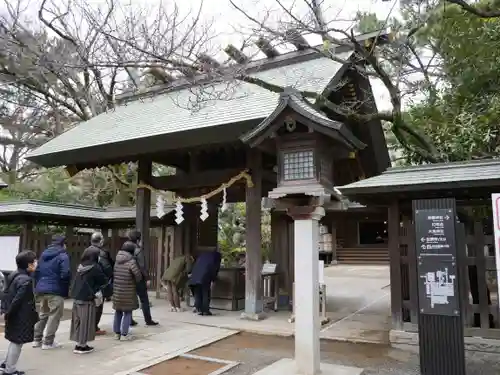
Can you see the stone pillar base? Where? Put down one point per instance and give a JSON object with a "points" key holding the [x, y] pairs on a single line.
{"points": [[253, 316]]}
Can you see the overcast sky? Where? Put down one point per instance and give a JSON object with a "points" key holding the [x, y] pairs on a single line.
{"points": [[228, 20]]}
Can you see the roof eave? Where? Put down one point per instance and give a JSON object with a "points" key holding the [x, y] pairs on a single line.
{"points": [[293, 99], [422, 187]]}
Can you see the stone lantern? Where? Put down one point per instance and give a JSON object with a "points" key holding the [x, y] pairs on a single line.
{"points": [[306, 143]]}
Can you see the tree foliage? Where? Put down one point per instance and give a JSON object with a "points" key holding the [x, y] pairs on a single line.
{"points": [[232, 230], [456, 105]]}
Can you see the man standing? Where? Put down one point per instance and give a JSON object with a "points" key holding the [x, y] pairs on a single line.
{"points": [[52, 278], [107, 264], [142, 286]]}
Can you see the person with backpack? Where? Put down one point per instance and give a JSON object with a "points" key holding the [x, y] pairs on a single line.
{"points": [[87, 295], [107, 264], [19, 309], [52, 278]]}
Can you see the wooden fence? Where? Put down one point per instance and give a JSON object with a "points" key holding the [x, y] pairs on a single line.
{"points": [[478, 274]]}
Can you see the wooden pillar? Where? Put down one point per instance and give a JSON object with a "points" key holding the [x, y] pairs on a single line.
{"points": [[333, 228], [169, 245], [160, 265], [395, 266], [25, 243], [114, 242], [143, 206], [178, 241], [253, 266], [190, 229], [70, 237], [207, 230]]}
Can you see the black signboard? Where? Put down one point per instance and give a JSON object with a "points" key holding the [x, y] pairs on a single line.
{"points": [[435, 232], [438, 291]]}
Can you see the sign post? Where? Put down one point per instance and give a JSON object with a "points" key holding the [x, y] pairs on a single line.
{"points": [[441, 337]]}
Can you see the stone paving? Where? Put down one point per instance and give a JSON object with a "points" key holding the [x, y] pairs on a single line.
{"points": [[112, 357], [358, 305]]}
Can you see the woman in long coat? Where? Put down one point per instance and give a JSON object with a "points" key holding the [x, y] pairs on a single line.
{"points": [[125, 277]]}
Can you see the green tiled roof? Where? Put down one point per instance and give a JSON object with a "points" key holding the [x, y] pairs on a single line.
{"points": [[432, 176], [170, 112]]}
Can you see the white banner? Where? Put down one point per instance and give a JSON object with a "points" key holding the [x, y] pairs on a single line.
{"points": [[495, 200]]}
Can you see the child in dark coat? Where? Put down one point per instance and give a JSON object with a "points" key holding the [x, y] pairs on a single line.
{"points": [[19, 308]]}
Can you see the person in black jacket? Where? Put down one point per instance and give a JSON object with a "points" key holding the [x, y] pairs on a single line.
{"points": [[203, 274], [107, 264], [142, 286], [19, 307], [87, 294]]}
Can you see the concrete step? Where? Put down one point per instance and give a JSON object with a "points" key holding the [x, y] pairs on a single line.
{"points": [[363, 256]]}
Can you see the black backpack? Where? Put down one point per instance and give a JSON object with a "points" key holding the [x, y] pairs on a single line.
{"points": [[4, 292]]}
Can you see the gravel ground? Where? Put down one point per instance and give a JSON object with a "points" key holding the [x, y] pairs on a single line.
{"points": [[255, 352]]}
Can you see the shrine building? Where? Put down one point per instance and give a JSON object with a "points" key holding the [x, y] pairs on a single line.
{"points": [[211, 132]]}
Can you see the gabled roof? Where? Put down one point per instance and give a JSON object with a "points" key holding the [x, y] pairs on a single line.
{"points": [[441, 176], [168, 113], [292, 98], [70, 212]]}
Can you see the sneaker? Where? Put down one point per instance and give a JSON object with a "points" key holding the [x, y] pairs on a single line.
{"points": [[100, 332], [152, 323], [37, 344], [117, 336], [54, 345], [83, 349], [128, 337]]}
